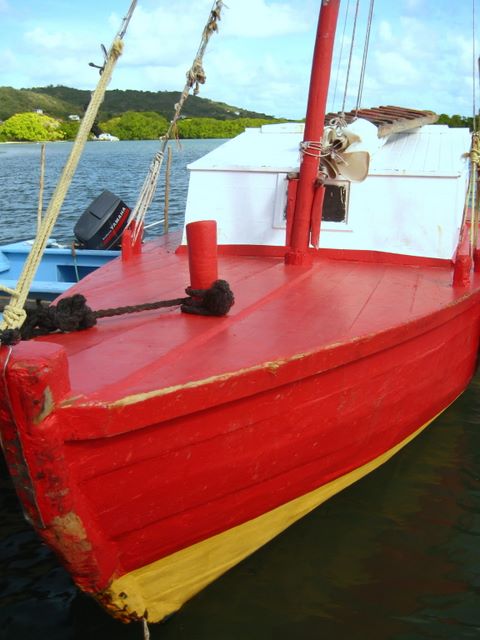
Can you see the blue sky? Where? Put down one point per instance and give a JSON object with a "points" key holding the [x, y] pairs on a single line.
{"points": [[420, 52]]}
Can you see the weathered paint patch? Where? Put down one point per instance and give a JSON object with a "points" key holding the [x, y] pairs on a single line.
{"points": [[47, 406], [70, 534], [271, 367]]}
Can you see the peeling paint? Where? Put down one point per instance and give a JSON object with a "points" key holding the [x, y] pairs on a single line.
{"points": [[225, 377], [47, 406], [70, 534]]}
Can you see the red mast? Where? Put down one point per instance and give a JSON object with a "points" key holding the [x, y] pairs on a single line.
{"points": [[314, 125]]}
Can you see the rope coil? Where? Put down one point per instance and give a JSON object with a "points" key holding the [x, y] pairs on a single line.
{"points": [[73, 313]]}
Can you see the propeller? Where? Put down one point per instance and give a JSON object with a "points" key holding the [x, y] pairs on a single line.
{"points": [[335, 160]]}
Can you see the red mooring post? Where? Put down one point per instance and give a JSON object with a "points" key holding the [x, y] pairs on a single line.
{"points": [[202, 253], [128, 247], [314, 125]]}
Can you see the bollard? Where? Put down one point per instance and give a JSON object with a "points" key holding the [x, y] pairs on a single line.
{"points": [[202, 253]]}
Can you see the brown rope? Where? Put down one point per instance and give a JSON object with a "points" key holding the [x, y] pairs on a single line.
{"points": [[73, 313], [147, 306]]}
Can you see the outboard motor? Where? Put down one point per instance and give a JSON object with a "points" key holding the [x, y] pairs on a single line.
{"points": [[102, 223]]}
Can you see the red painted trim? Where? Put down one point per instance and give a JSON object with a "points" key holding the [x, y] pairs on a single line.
{"points": [[352, 255], [291, 199], [317, 210], [382, 257], [463, 259], [254, 250], [476, 260], [130, 248], [269, 251]]}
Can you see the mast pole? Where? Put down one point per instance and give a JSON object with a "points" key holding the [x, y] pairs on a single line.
{"points": [[314, 124]]}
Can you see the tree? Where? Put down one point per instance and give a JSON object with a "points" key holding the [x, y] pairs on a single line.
{"points": [[211, 128], [69, 129], [31, 127], [455, 121], [133, 125]]}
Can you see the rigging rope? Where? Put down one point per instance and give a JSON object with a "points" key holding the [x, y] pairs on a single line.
{"points": [[340, 55], [365, 55], [349, 66], [14, 314], [474, 69], [195, 77]]}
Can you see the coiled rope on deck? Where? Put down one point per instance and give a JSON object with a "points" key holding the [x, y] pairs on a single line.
{"points": [[73, 314], [14, 314]]}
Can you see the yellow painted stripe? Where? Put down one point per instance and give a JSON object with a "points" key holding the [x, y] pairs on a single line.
{"points": [[162, 587]]}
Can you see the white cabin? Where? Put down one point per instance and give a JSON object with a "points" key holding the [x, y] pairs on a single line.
{"points": [[411, 203]]}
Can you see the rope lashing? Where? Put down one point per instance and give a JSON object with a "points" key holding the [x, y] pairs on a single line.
{"points": [[13, 316], [73, 313], [471, 201], [475, 149], [311, 148]]}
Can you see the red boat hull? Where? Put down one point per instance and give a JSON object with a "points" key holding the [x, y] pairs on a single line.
{"points": [[126, 460]]}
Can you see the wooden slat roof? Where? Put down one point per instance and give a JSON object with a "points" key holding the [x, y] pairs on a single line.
{"points": [[389, 119]]}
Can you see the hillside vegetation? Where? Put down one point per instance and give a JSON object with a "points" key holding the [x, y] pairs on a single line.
{"points": [[60, 102], [42, 113]]}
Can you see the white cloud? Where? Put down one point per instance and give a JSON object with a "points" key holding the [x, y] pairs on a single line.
{"points": [[162, 42], [261, 19], [393, 68], [260, 59], [57, 41], [385, 32], [415, 62]]}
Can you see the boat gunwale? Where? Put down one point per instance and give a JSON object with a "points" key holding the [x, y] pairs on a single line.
{"points": [[266, 375]]}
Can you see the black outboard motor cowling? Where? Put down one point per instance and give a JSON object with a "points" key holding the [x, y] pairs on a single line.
{"points": [[102, 223]]}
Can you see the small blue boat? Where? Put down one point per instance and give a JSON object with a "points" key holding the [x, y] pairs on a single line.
{"points": [[60, 268], [97, 233]]}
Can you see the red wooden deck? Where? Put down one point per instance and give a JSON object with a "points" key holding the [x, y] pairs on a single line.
{"points": [[279, 312]]}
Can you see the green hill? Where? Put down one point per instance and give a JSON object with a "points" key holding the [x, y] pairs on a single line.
{"points": [[60, 101], [14, 101]]}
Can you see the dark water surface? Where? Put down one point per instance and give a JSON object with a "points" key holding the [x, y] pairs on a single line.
{"points": [[395, 556]]}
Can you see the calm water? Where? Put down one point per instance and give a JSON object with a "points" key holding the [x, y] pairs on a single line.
{"points": [[396, 556], [120, 167]]}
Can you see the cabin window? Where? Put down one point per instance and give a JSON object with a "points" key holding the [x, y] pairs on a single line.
{"points": [[335, 202]]}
